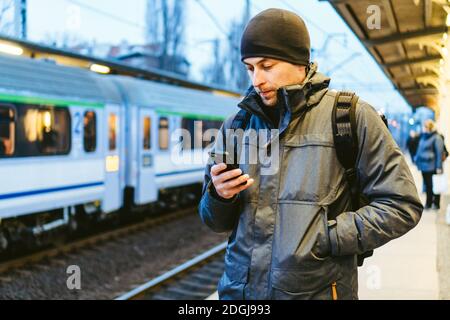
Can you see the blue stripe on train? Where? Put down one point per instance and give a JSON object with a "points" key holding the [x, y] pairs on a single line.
{"points": [[179, 172], [34, 192], [80, 186]]}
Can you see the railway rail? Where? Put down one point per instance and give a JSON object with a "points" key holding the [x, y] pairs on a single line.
{"points": [[93, 240], [195, 279]]}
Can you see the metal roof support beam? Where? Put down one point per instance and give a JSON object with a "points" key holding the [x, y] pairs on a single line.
{"points": [[407, 36], [433, 58], [420, 92], [394, 28], [428, 12], [349, 16], [338, 1], [413, 77], [390, 15]]}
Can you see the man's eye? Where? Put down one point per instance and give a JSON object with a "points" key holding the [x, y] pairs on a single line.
{"points": [[267, 67]]}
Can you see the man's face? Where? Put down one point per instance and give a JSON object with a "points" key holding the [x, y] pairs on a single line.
{"points": [[268, 75]]}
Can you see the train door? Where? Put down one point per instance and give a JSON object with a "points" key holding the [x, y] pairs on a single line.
{"points": [[146, 185], [112, 199]]}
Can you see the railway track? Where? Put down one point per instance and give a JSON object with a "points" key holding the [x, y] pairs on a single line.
{"points": [[194, 280], [92, 240]]}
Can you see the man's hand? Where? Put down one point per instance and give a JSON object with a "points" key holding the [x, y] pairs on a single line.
{"points": [[226, 183], [439, 171]]}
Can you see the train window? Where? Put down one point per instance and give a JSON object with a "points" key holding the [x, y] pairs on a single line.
{"points": [[112, 121], [7, 131], [42, 130], [194, 127], [163, 133], [90, 131], [147, 133]]}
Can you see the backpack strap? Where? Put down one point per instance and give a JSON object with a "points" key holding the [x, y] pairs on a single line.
{"points": [[346, 144], [346, 139]]}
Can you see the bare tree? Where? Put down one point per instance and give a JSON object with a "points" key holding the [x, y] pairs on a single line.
{"points": [[238, 78], [7, 17], [238, 74], [65, 40], [215, 72], [165, 30], [229, 70]]}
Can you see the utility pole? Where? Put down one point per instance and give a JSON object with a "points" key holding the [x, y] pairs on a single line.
{"points": [[247, 12], [20, 18], [23, 14]]}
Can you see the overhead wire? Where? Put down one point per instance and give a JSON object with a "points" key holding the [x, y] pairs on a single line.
{"points": [[106, 14]]}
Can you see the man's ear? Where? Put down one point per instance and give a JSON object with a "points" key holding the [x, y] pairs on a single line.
{"points": [[303, 70]]}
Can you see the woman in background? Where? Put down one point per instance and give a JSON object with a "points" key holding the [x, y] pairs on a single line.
{"points": [[428, 159]]}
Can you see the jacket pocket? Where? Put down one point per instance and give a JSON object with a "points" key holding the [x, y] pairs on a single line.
{"points": [[301, 235], [322, 246], [304, 285], [302, 267], [233, 281], [309, 169]]}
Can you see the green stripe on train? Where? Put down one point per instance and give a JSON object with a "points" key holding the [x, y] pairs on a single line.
{"points": [[190, 115], [46, 101]]}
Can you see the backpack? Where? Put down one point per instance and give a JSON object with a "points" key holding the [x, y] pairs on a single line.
{"points": [[345, 141]]}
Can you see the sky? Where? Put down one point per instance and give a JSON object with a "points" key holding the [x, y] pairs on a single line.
{"points": [[110, 21]]}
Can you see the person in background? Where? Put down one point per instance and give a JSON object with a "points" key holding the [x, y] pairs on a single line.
{"points": [[413, 142], [428, 160]]}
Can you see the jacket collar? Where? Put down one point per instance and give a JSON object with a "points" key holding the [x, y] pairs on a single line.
{"points": [[292, 100]]}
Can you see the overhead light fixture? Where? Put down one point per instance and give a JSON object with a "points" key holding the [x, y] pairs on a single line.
{"points": [[11, 49], [445, 51], [99, 68]]}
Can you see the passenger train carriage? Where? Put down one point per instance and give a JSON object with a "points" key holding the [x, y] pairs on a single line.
{"points": [[73, 143]]}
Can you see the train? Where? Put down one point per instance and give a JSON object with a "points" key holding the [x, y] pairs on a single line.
{"points": [[76, 144]]}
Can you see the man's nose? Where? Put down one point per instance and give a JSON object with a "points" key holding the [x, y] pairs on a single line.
{"points": [[258, 79]]}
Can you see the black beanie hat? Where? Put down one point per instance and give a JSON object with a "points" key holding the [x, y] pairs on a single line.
{"points": [[278, 34]]}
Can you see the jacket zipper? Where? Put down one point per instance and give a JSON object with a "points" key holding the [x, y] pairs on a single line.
{"points": [[334, 291]]}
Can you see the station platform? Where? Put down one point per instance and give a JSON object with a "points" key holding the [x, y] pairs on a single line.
{"points": [[405, 268], [413, 267]]}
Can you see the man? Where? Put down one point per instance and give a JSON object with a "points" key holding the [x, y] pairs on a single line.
{"points": [[293, 233]]}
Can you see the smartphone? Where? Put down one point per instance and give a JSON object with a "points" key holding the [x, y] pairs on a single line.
{"points": [[224, 157]]}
